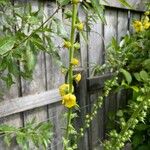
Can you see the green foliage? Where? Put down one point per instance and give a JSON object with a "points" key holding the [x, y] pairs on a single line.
{"points": [[23, 36], [129, 60], [125, 3], [37, 134], [141, 137], [127, 75]]}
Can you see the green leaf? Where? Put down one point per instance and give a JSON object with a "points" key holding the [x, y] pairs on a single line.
{"points": [[7, 140], [144, 75], [144, 147], [135, 88], [137, 76], [60, 30], [142, 127], [63, 2], [114, 44], [6, 44], [99, 10], [125, 3], [146, 64], [137, 139], [127, 75], [9, 80], [30, 60]]}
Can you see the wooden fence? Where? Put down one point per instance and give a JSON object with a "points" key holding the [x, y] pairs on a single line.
{"points": [[40, 98]]}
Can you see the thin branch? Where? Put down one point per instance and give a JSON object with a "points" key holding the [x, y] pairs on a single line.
{"points": [[38, 28]]}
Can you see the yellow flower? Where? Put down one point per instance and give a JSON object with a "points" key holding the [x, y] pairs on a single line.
{"points": [[64, 89], [146, 23], [75, 61], [138, 26], [78, 77], [69, 100], [80, 26]]}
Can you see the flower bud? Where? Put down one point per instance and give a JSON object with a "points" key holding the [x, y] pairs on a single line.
{"points": [[80, 26], [77, 77], [67, 44], [74, 61], [76, 46]]}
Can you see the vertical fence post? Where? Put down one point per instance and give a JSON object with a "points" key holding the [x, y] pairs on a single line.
{"points": [[81, 94]]}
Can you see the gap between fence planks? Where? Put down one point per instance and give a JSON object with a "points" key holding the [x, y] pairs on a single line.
{"points": [[17, 105]]}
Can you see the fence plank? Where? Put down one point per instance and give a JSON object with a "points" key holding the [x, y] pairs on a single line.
{"points": [[54, 79], [110, 30], [95, 46], [133, 16], [97, 82], [122, 24], [13, 119], [95, 57], [83, 42], [123, 28], [138, 5], [36, 85], [81, 94], [28, 102]]}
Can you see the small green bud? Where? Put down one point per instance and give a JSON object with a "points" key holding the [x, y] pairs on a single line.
{"points": [[77, 46], [81, 129]]}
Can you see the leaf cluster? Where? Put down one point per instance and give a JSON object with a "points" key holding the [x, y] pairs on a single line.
{"points": [[36, 134]]}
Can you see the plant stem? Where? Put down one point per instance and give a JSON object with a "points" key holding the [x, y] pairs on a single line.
{"points": [[70, 73], [71, 51]]}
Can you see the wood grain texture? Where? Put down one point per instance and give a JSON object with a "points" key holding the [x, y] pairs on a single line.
{"points": [[83, 42], [138, 5], [28, 102], [54, 79], [97, 82], [36, 85], [122, 24], [95, 46], [110, 31], [81, 95]]}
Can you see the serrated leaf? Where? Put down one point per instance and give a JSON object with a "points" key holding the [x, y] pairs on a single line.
{"points": [[60, 28], [127, 75], [6, 44]]}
